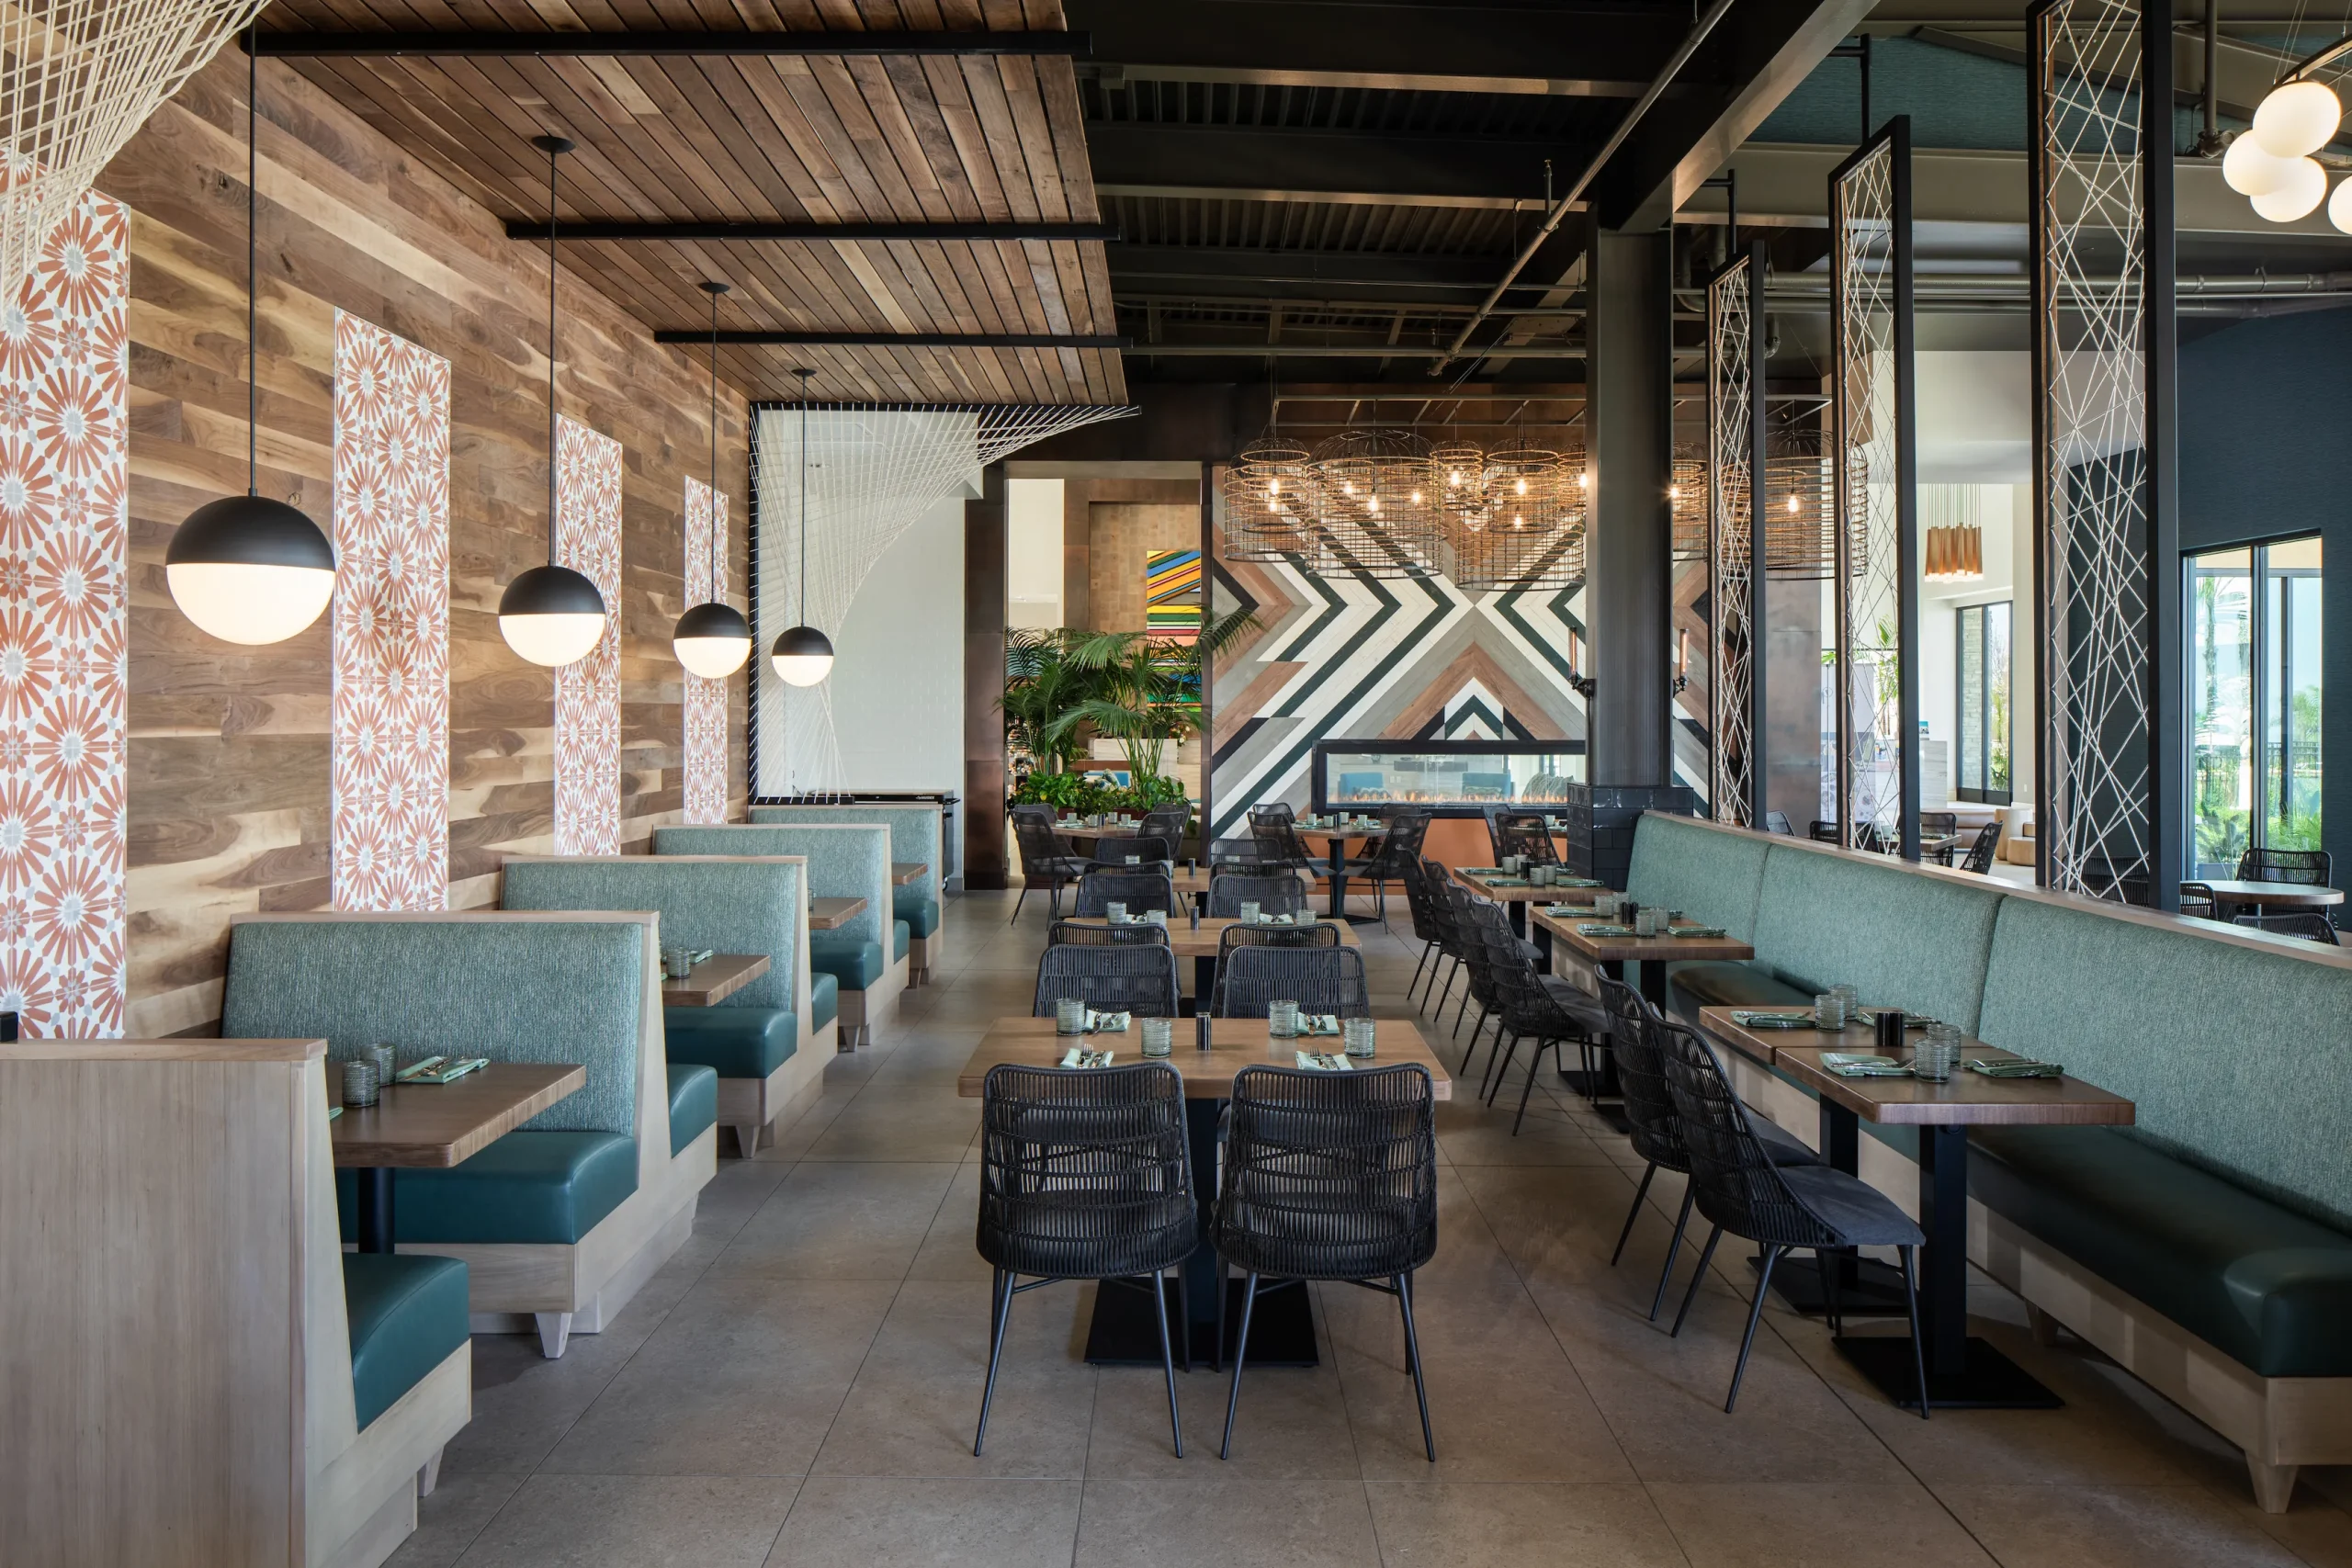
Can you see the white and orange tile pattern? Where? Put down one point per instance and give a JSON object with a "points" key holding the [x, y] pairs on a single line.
{"points": [[389, 794], [588, 695], [64, 705], [705, 700]]}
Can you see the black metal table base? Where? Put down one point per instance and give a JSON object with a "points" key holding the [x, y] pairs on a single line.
{"points": [[374, 1220], [1865, 1288], [1988, 1380], [1126, 1333]]}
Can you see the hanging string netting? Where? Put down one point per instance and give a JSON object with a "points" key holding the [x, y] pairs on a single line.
{"points": [[872, 473], [77, 78]]}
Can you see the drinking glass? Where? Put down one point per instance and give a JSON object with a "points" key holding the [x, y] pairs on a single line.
{"points": [[1249, 911], [1933, 1059], [1851, 998], [1069, 1015], [1359, 1035], [359, 1081], [1829, 1011], [1156, 917], [1114, 913], [382, 1057], [1651, 922], [1158, 1036], [677, 963], [1281, 1019]]}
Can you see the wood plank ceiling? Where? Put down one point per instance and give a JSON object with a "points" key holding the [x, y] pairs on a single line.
{"points": [[812, 138]]}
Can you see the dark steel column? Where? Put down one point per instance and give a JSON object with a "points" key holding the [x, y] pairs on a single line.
{"points": [[1906, 496], [986, 863], [1629, 588], [1759, 500], [2167, 591]]}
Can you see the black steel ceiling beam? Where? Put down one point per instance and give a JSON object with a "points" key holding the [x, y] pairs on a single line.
{"points": [[1264, 162], [755, 339], [486, 42], [1257, 273], [796, 229]]}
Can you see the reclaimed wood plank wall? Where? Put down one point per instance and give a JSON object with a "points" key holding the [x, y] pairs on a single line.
{"points": [[229, 746]]}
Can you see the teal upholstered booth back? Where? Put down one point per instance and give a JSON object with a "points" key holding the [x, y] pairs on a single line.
{"points": [[744, 905], [2233, 1055], [844, 862], [916, 834], [511, 990], [1710, 876], [1903, 938]]}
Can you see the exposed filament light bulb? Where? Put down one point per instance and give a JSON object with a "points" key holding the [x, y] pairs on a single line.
{"points": [[1519, 487], [1792, 506]]}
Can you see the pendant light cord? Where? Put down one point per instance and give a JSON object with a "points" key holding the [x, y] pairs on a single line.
{"points": [[554, 152], [710, 530], [804, 375], [253, 252]]}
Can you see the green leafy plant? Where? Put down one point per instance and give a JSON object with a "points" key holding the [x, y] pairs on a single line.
{"points": [[1150, 690], [1065, 791], [1043, 690]]}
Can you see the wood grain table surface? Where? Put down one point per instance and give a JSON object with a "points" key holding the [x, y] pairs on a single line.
{"points": [[904, 873], [2279, 895], [1234, 1043], [1554, 895], [832, 914], [1644, 950], [433, 1126], [714, 979]]}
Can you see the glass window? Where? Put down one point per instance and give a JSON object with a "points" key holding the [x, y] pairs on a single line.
{"points": [[2254, 651], [1982, 772]]}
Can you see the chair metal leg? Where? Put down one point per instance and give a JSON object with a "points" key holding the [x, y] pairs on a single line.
{"points": [[1000, 1301], [1911, 1300], [1633, 1213], [1240, 1355], [1498, 1063], [1755, 1314], [1822, 1260], [1673, 1249], [1415, 983], [1167, 1362], [1018, 902], [1534, 1064], [1413, 1359], [1706, 1257]]}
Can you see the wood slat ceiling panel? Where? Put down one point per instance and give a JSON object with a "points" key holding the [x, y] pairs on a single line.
{"points": [[819, 138]]}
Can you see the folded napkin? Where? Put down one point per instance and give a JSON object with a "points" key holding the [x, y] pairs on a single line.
{"points": [[1105, 1023], [1567, 911], [1482, 871], [1506, 882], [1576, 882], [1861, 1065], [1698, 931], [1324, 1062], [1748, 1019], [2019, 1068], [436, 1070], [1595, 928], [1081, 1056], [1315, 1023]]}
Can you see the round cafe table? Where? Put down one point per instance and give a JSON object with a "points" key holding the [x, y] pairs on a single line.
{"points": [[2269, 896]]}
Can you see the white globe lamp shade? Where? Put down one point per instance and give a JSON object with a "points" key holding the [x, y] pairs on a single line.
{"points": [[2297, 118], [2298, 195], [2339, 207], [551, 615], [802, 656], [712, 640], [249, 570], [2248, 170]]}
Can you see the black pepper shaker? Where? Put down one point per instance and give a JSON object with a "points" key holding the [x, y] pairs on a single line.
{"points": [[1201, 1029]]}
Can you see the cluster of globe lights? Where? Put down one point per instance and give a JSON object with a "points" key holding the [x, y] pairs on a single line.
{"points": [[2271, 162]]}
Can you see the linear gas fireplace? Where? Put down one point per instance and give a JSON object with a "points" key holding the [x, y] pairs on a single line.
{"points": [[1452, 778]]}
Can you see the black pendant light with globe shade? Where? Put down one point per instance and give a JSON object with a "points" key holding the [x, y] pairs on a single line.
{"points": [[551, 614], [248, 568], [713, 639], [802, 655]]}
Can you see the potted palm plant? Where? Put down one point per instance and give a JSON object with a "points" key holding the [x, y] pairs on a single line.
{"points": [[1148, 692]]}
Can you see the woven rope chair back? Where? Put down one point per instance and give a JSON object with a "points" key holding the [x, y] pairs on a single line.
{"points": [[1136, 980], [1475, 923], [1524, 833], [1040, 845], [2309, 866], [1329, 1176], [1439, 885], [1655, 1127], [1166, 822], [1234, 938], [1281, 893], [1778, 823], [1510, 969], [1401, 849], [2307, 924], [1420, 900], [1146, 848], [1066, 933], [1083, 1174], [1272, 811], [1275, 829], [1234, 851], [1942, 824], [1979, 853], [1138, 888], [1319, 979], [1739, 1186]]}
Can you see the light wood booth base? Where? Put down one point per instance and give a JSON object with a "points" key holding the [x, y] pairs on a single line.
{"points": [[751, 1108], [877, 1004], [178, 1378], [924, 954]]}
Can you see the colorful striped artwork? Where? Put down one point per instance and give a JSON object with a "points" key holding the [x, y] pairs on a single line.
{"points": [[1171, 592]]}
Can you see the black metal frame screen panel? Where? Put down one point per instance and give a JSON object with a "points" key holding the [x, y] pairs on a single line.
{"points": [[1736, 507]]}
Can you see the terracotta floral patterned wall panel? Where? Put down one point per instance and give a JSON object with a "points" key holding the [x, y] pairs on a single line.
{"points": [[389, 713], [64, 705], [588, 695], [705, 700]]}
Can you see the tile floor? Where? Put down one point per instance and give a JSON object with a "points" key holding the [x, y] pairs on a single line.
{"points": [[798, 1387]]}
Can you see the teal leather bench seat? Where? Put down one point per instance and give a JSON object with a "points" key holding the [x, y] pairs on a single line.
{"points": [[915, 909], [900, 939], [735, 1043], [854, 964], [408, 1314], [824, 1001], [2248, 1277], [694, 1102], [526, 1187]]}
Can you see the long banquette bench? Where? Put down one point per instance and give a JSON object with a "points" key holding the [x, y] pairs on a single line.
{"points": [[560, 1222], [867, 958], [197, 1374], [918, 837], [2208, 1248], [769, 1042]]}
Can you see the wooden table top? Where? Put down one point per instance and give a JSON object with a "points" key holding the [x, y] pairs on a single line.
{"points": [[1203, 944], [2284, 895], [1969, 1099], [1234, 1043], [832, 914], [1346, 835], [1644, 949], [903, 873], [433, 1126], [714, 979], [1553, 895]]}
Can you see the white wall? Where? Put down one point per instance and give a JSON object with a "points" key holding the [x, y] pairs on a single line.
{"points": [[1032, 553], [897, 680]]}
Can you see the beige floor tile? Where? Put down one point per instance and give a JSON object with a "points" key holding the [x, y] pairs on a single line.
{"points": [[1521, 1526], [1293, 1423], [636, 1521], [450, 1521], [2125, 1527], [840, 1522], [949, 1250], [915, 1123], [1816, 1524], [839, 1220], [1231, 1522], [1525, 1417]]}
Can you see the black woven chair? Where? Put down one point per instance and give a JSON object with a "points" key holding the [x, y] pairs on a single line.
{"points": [[1524, 833], [1778, 823], [1169, 823], [1277, 893], [1825, 833], [1320, 934], [1083, 1176], [1398, 852], [1742, 1190], [2197, 898], [1654, 1128], [1439, 885], [1235, 853], [1275, 827], [1319, 979], [1545, 1008], [2308, 924], [1139, 978], [1068, 933], [1939, 825], [1481, 928], [1114, 848], [1979, 858], [1330, 1175], [1141, 888], [1420, 900], [1045, 857], [2312, 867]]}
